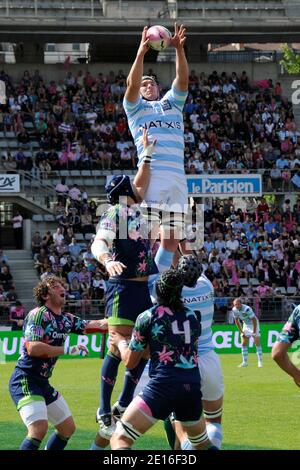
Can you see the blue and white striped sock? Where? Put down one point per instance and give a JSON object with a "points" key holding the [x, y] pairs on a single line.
{"points": [[186, 445], [163, 259], [259, 353], [215, 433], [245, 354]]}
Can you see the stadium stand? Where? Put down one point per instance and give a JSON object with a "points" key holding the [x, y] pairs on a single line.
{"points": [[73, 133]]}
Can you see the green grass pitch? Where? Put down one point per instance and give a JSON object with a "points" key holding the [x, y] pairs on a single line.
{"points": [[261, 407]]}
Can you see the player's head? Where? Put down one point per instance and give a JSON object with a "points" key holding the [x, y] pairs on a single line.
{"points": [[149, 88], [168, 289], [237, 303], [51, 288], [119, 185], [190, 268]]}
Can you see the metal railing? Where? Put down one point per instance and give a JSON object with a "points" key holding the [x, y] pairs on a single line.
{"points": [[275, 308], [87, 309], [52, 8], [36, 190]]}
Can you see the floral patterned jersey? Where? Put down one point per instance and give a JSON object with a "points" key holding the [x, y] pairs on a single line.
{"points": [[128, 231], [172, 339], [41, 324], [291, 330]]}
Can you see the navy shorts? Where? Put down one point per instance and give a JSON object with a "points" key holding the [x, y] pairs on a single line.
{"points": [[165, 396], [125, 300], [26, 388]]}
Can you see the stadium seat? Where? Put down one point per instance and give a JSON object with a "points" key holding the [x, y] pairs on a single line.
{"points": [[27, 153], [79, 237], [281, 289], [89, 236], [90, 182], [28, 125], [85, 173], [74, 172], [254, 281], [64, 173], [37, 218], [10, 135], [49, 218], [13, 144], [243, 281], [2, 135], [292, 290]]}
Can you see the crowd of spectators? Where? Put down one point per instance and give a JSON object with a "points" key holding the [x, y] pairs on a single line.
{"points": [[10, 305], [255, 252], [66, 252], [230, 124]]}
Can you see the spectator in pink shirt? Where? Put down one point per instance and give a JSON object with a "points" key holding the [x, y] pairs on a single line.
{"points": [[264, 290], [16, 316]]}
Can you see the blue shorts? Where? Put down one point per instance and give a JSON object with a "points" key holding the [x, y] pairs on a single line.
{"points": [[125, 300], [26, 388], [165, 396]]}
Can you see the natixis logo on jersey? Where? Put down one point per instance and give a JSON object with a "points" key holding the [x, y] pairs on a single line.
{"points": [[220, 185]]}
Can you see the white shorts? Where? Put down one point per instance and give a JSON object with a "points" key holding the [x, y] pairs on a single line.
{"points": [[57, 412], [212, 382], [249, 331], [167, 192]]}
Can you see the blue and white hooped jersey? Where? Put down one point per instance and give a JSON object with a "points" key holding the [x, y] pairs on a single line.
{"points": [[163, 120], [201, 297], [245, 314]]}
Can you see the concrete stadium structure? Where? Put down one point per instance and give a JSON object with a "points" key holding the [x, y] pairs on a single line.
{"points": [[33, 23]]}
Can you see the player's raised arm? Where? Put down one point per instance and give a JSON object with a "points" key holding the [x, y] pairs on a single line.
{"points": [[142, 178], [96, 326], [136, 72], [181, 81]]}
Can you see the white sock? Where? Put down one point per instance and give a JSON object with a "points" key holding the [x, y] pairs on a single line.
{"points": [[95, 447], [215, 433]]}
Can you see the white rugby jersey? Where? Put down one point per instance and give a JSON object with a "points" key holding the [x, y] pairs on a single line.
{"points": [[163, 120], [245, 314], [201, 297]]}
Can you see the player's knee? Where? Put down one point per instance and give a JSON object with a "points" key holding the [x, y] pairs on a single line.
{"points": [[114, 350], [70, 429], [38, 430], [126, 430], [213, 416]]}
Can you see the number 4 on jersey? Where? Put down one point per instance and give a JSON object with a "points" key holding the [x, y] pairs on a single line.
{"points": [[186, 330]]}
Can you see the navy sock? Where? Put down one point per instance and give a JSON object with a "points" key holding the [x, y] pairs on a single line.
{"points": [[109, 374], [30, 444], [170, 433], [131, 380], [56, 442]]}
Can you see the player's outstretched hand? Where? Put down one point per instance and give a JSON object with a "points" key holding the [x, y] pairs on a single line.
{"points": [[115, 338], [115, 268], [148, 147], [80, 350], [144, 44], [179, 37]]}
